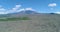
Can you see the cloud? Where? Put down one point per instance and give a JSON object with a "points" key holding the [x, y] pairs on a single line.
{"points": [[30, 9], [12, 10], [21, 10], [2, 10], [16, 7], [52, 4], [26, 9], [57, 12]]}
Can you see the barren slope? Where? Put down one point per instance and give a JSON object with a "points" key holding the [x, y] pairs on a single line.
{"points": [[39, 23]]}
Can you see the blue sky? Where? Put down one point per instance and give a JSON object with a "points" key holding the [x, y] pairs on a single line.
{"points": [[42, 6]]}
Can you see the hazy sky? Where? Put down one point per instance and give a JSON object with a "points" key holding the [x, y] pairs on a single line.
{"points": [[42, 6]]}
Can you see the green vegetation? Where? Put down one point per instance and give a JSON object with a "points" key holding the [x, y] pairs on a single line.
{"points": [[14, 19]]}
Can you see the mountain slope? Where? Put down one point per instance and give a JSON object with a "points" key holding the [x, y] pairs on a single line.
{"points": [[28, 12]]}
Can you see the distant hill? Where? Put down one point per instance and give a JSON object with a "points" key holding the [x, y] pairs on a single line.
{"points": [[18, 14], [24, 13], [28, 12]]}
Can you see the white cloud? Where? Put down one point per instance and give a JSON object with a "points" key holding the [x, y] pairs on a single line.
{"points": [[2, 10], [30, 9], [16, 7], [57, 12], [52, 4], [21, 10], [3, 13], [26, 9]]}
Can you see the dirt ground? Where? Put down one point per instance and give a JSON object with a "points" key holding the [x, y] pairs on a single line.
{"points": [[19, 26], [42, 23]]}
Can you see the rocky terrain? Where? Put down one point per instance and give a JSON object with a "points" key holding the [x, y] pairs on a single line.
{"points": [[38, 23]]}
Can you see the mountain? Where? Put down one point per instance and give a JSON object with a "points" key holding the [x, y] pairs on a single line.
{"points": [[28, 12], [21, 13]]}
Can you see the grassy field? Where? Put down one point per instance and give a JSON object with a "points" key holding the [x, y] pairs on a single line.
{"points": [[37, 23], [14, 18]]}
